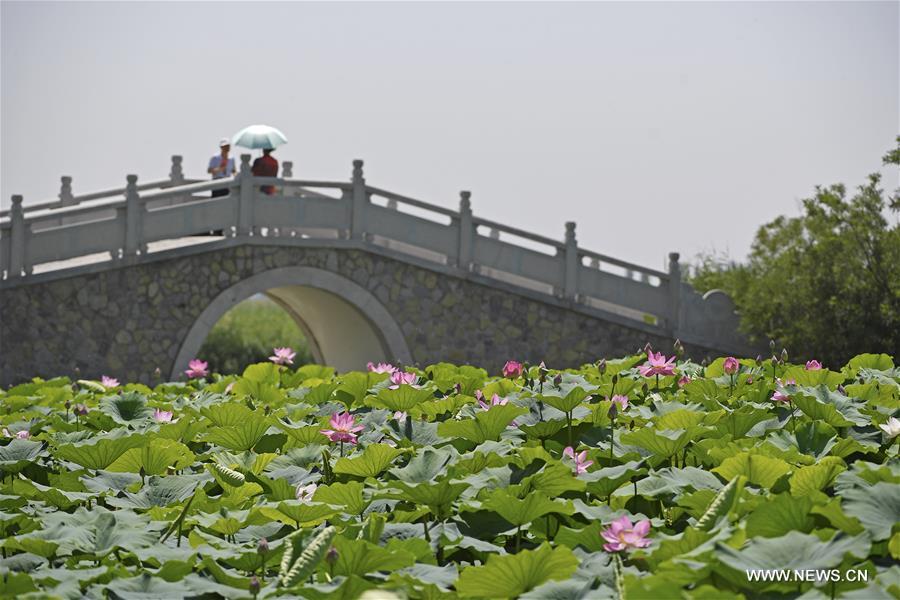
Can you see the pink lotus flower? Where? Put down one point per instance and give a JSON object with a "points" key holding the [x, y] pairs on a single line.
{"points": [[197, 368], [399, 378], [513, 368], [581, 462], [381, 367], [400, 415], [20, 435], [813, 365], [657, 364], [780, 394], [496, 400], [343, 429], [622, 535], [109, 382], [620, 401], [163, 416], [731, 365], [683, 380], [305, 492], [283, 356]]}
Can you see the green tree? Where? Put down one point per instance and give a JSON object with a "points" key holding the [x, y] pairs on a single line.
{"points": [[825, 284], [247, 333]]}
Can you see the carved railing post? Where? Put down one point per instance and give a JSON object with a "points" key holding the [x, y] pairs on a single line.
{"points": [[287, 169], [674, 293], [570, 287], [245, 202], [18, 233], [359, 199], [466, 232], [134, 219], [65, 191], [176, 175]]}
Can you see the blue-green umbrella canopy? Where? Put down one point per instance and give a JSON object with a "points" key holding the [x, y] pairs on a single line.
{"points": [[258, 136]]}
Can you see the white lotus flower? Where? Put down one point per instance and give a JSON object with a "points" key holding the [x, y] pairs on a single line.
{"points": [[892, 427]]}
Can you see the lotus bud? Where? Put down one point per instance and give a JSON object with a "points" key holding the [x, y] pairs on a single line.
{"points": [[704, 362], [81, 410], [841, 389], [601, 366], [784, 355], [558, 379], [157, 373], [458, 388], [263, 546], [648, 348], [332, 555], [613, 411], [77, 372], [67, 405], [253, 587], [772, 346], [759, 360], [615, 379], [679, 348]]}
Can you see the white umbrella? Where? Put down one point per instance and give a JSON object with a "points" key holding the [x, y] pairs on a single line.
{"points": [[259, 136]]}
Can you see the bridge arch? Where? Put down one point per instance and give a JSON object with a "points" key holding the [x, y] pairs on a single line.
{"points": [[345, 324]]}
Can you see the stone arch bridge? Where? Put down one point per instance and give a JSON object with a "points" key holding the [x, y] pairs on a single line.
{"points": [[131, 280]]}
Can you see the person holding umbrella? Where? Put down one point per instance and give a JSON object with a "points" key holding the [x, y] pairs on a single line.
{"points": [[265, 137], [266, 166]]}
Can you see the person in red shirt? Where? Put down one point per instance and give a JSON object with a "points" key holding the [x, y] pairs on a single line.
{"points": [[266, 166]]}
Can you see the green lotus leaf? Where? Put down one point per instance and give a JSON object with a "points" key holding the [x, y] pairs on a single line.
{"points": [[359, 557], [779, 515], [18, 453], [487, 424], [794, 550], [347, 495], [296, 513], [877, 507], [759, 470], [436, 496], [821, 404], [806, 481], [664, 443], [228, 414], [515, 574], [567, 398], [425, 466], [404, 398], [521, 511], [242, 436], [154, 458], [373, 460], [102, 450], [128, 408]]}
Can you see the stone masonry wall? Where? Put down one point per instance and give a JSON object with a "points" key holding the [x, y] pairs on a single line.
{"points": [[125, 322]]}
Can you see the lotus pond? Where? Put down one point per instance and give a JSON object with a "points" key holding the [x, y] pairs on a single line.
{"points": [[640, 477]]}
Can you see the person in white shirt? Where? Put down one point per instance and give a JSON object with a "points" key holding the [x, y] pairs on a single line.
{"points": [[221, 166]]}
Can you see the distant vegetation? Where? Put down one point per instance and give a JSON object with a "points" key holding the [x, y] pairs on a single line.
{"points": [[824, 284], [248, 332]]}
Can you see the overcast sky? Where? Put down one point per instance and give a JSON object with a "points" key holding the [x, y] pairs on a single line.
{"points": [[656, 127]]}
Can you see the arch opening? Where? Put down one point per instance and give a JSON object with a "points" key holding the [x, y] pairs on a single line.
{"points": [[344, 324]]}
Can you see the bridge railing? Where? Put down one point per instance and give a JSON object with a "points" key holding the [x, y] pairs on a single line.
{"points": [[125, 224]]}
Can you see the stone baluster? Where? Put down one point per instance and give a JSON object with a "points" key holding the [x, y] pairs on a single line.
{"points": [[359, 202], [674, 293], [176, 175], [494, 234], [65, 191], [245, 202], [134, 219], [287, 169], [466, 232], [595, 263], [18, 233], [570, 285]]}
